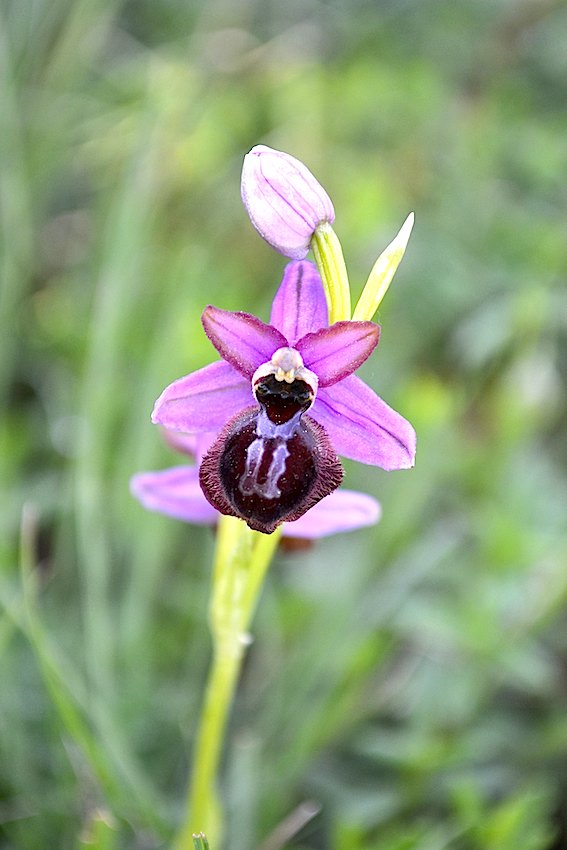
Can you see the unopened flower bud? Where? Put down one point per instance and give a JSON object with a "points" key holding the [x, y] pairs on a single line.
{"points": [[284, 201]]}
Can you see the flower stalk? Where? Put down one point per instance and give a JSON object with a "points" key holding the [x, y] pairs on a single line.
{"points": [[242, 558]]}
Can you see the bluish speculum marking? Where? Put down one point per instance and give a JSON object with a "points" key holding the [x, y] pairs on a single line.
{"points": [[277, 423], [259, 451]]}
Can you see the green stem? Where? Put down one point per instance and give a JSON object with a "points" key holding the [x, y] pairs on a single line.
{"points": [[203, 803], [241, 561]]}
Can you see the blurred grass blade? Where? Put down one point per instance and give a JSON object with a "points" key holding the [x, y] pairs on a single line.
{"points": [[100, 832], [121, 255], [113, 768], [289, 827], [16, 226], [200, 841]]}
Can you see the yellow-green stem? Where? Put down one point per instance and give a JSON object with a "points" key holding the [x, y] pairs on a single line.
{"points": [[203, 808], [241, 560], [331, 265]]}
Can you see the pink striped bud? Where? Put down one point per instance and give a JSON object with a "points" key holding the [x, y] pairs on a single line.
{"points": [[284, 201]]}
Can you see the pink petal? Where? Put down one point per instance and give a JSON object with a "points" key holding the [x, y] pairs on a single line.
{"points": [[241, 339], [204, 400], [175, 492], [184, 443], [343, 510], [300, 306], [336, 352], [361, 426], [193, 445]]}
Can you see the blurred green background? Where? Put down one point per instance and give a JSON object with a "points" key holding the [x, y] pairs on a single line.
{"points": [[409, 682]]}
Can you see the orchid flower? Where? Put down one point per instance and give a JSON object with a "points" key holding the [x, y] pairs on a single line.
{"points": [[266, 424], [283, 402]]}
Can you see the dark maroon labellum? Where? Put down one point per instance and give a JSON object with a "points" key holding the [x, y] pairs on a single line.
{"points": [[271, 464]]}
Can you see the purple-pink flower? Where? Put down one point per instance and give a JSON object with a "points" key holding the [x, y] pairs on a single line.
{"points": [[283, 402]]}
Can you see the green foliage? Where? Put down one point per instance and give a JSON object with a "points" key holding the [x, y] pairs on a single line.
{"points": [[200, 842], [410, 679]]}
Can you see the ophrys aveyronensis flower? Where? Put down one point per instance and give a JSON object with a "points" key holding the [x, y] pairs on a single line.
{"points": [[284, 402]]}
